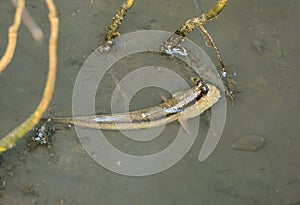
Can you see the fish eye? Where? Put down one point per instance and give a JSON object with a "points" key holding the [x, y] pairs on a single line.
{"points": [[199, 83], [203, 87]]}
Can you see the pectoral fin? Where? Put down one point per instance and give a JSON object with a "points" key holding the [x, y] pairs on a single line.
{"points": [[184, 124], [163, 97]]}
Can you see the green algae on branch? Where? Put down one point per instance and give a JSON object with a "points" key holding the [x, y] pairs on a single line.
{"points": [[113, 28], [196, 22]]}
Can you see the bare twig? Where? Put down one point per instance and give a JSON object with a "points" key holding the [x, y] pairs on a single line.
{"points": [[12, 37], [11, 138]]}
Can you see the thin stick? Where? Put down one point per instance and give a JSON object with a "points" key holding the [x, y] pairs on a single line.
{"points": [[210, 41], [228, 82], [113, 28], [11, 138], [12, 37], [30, 23]]}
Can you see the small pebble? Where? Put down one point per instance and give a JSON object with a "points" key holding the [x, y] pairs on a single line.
{"points": [[249, 143]]}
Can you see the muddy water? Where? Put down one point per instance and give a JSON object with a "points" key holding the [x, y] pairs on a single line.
{"points": [[257, 38]]}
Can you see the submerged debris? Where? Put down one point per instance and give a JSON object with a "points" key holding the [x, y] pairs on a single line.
{"points": [[41, 135], [249, 143], [29, 190]]}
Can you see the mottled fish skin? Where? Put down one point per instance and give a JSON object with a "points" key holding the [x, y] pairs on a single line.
{"points": [[181, 106]]}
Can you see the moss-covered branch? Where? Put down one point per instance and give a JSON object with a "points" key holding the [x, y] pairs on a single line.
{"points": [[113, 28], [196, 22]]}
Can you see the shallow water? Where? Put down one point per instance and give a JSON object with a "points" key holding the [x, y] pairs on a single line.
{"points": [[257, 38]]}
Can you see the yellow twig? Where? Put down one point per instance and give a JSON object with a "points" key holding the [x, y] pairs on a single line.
{"points": [[12, 37], [11, 138], [212, 13]]}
